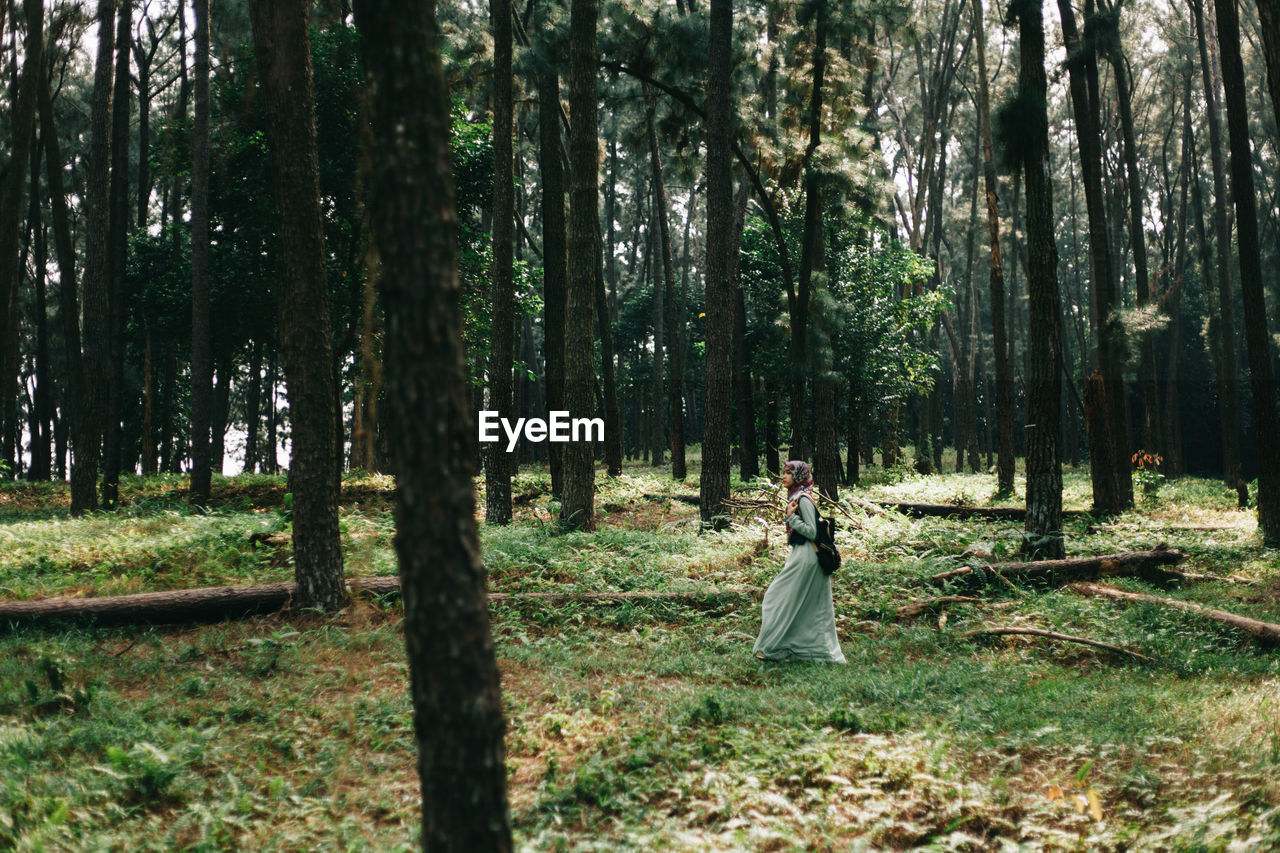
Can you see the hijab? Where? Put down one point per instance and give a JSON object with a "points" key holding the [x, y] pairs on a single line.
{"points": [[801, 479]]}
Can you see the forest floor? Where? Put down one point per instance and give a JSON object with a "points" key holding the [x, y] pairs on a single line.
{"points": [[644, 725]]}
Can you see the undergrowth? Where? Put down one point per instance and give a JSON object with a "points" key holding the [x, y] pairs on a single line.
{"points": [[640, 724]]}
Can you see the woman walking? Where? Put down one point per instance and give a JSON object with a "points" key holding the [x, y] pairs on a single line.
{"points": [[798, 619]]}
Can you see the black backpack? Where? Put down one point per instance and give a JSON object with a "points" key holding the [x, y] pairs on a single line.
{"points": [[825, 544]]}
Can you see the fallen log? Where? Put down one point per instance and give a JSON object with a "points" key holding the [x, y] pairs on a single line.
{"points": [[213, 604], [1066, 638], [1144, 564], [1266, 633], [693, 500], [1005, 513], [915, 608]]}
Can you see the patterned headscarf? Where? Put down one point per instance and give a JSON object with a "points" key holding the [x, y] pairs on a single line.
{"points": [[801, 479]]}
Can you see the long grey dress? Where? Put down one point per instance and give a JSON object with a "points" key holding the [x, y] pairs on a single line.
{"points": [[798, 618]]}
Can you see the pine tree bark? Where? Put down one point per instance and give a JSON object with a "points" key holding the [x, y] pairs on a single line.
{"points": [[86, 447], [1112, 483], [253, 409], [714, 482], [555, 271], [578, 499], [1257, 339], [497, 462], [454, 683], [1001, 354], [1226, 363], [282, 48], [1152, 429], [743, 393], [117, 254], [1044, 472], [608, 377], [73, 404], [201, 330], [667, 300], [12, 193], [811, 249], [1269, 19]]}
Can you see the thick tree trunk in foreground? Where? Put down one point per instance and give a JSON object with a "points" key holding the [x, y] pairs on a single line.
{"points": [[1044, 392], [456, 694], [282, 48], [498, 462], [1251, 283], [201, 335], [714, 483], [578, 500]]}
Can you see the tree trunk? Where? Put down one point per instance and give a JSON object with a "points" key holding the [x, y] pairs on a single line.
{"points": [[117, 254], [713, 485], [457, 699], [12, 191], [811, 250], [772, 440], [282, 48], [744, 400], [1261, 377], [578, 500], [86, 446], [1112, 484], [253, 409], [1269, 19], [73, 402], [665, 303], [1228, 372], [201, 328], [1044, 391], [42, 405], [1152, 430], [608, 378], [555, 270], [224, 369], [497, 463]]}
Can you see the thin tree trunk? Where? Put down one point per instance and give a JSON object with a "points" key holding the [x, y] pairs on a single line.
{"points": [[714, 483], [117, 253], [282, 50], [1228, 372], [497, 463], [1112, 484], [744, 400], [201, 329], [253, 409], [224, 367], [578, 499], [87, 445], [555, 256], [1001, 354], [1261, 376], [1044, 472], [1152, 430], [148, 467], [665, 303]]}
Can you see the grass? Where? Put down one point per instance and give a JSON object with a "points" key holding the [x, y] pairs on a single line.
{"points": [[642, 725]]}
